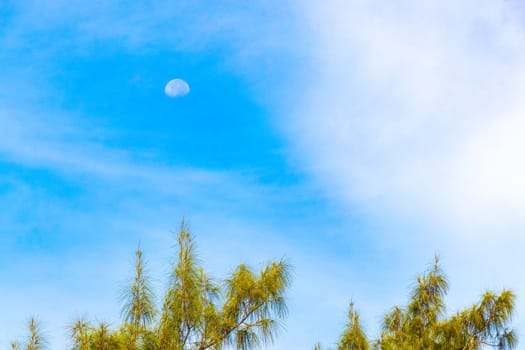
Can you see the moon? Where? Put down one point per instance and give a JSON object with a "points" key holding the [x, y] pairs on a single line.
{"points": [[176, 88]]}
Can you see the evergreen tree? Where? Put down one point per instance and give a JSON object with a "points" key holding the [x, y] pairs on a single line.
{"points": [[252, 304], [353, 337], [423, 325], [197, 313], [139, 305], [35, 340]]}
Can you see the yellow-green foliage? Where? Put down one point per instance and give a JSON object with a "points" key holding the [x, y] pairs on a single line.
{"points": [[353, 337], [197, 313], [244, 310], [35, 339], [422, 324]]}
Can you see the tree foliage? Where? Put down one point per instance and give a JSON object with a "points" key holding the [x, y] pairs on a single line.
{"points": [[138, 309], [35, 339], [353, 337], [244, 311], [197, 312], [423, 325]]}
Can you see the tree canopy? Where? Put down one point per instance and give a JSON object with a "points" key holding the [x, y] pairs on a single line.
{"points": [[197, 312], [423, 324], [244, 310]]}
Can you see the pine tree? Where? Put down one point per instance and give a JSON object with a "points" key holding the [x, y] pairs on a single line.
{"points": [[423, 325], [197, 313], [353, 337], [35, 340], [139, 305]]}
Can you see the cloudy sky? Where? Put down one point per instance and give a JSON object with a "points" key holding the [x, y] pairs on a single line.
{"points": [[357, 139]]}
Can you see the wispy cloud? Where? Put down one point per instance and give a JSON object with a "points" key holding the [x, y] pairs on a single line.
{"points": [[73, 243], [77, 246], [147, 26]]}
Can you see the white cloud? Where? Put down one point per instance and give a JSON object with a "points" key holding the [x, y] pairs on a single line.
{"points": [[414, 120], [416, 107]]}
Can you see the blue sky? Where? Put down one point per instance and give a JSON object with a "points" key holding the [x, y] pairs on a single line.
{"points": [[356, 139]]}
